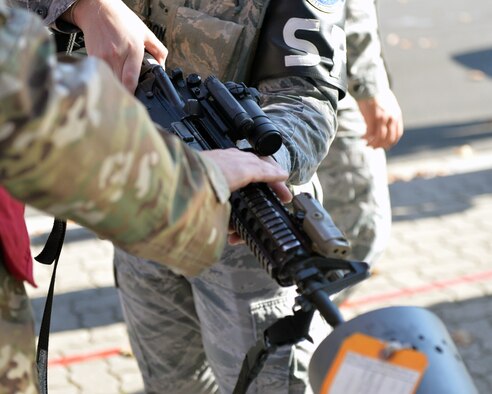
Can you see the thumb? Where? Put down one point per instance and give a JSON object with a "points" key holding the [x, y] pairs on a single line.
{"points": [[156, 49], [131, 68]]}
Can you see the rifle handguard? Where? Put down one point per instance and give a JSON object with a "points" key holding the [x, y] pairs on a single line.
{"points": [[267, 228]]}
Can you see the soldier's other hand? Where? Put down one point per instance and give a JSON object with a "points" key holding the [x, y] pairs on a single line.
{"points": [[117, 35], [233, 238], [383, 118], [241, 168]]}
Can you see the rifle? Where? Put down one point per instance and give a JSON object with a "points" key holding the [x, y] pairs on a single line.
{"points": [[298, 246]]}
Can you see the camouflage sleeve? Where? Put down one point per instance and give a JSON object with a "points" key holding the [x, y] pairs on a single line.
{"points": [[75, 144], [49, 10], [307, 121], [365, 66]]}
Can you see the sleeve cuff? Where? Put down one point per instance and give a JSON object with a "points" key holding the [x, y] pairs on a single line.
{"points": [[282, 157], [217, 180], [370, 85]]}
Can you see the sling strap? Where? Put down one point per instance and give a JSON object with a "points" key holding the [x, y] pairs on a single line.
{"points": [[49, 255], [286, 331]]}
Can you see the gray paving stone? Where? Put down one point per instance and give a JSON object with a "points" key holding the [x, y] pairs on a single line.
{"points": [[112, 336], [427, 299], [464, 312], [68, 389], [93, 377], [467, 291], [409, 279], [69, 342], [484, 386], [131, 383]]}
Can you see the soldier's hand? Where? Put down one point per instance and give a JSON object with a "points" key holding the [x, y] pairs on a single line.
{"points": [[117, 35], [241, 168], [383, 118]]}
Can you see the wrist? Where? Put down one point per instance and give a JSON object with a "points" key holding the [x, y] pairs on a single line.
{"points": [[78, 10], [68, 15]]}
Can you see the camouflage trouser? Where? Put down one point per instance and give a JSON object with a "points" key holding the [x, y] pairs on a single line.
{"points": [[17, 340], [190, 336], [355, 186]]}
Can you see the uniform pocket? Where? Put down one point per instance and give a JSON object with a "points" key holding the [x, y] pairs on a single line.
{"points": [[267, 312], [202, 44], [286, 370]]}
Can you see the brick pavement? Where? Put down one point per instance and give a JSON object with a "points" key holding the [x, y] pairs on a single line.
{"points": [[439, 257]]}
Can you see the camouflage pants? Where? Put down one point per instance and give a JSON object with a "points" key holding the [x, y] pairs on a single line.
{"points": [[190, 336], [354, 181], [17, 339]]}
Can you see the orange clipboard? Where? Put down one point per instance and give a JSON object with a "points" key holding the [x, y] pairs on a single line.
{"points": [[360, 363]]}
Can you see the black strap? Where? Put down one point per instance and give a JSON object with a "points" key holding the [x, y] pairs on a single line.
{"points": [[49, 254], [52, 248], [286, 331], [252, 365]]}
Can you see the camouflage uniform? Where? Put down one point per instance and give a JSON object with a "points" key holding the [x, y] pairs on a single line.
{"points": [[17, 339], [74, 143], [353, 176]]}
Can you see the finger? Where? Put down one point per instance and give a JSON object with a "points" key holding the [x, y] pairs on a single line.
{"points": [[370, 132], [234, 239], [400, 127], [282, 191], [109, 56], [269, 173], [156, 49], [380, 129], [380, 135], [131, 69], [392, 136], [257, 170], [395, 129], [270, 170]]}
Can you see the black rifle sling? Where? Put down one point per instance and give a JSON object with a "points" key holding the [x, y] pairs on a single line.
{"points": [[49, 255], [285, 331]]}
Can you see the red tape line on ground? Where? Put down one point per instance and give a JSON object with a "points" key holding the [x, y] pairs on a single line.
{"points": [[373, 299], [80, 358], [440, 284]]}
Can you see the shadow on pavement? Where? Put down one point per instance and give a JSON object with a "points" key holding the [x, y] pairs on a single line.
{"points": [[71, 235], [476, 60], [445, 136], [81, 309], [470, 322], [438, 196]]}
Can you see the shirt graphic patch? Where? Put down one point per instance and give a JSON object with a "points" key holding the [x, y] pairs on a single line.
{"points": [[326, 5]]}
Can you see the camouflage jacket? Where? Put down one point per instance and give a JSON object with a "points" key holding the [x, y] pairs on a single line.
{"points": [[365, 65], [219, 37], [75, 144]]}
